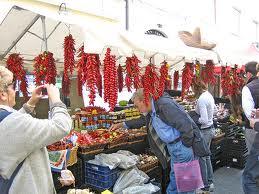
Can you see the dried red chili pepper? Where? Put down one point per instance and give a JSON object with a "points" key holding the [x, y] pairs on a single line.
{"points": [[45, 69], [69, 62], [91, 66], [82, 69], [176, 79], [128, 78], [15, 64], [151, 83], [163, 78], [207, 73], [136, 71], [187, 76], [99, 84], [120, 78], [110, 80], [132, 73]]}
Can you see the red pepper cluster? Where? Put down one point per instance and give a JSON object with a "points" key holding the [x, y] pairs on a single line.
{"points": [[120, 78], [231, 81], [163, 78], [168, 83], [110, 80], [82, 69], [132, 72], [99, 83], [69, 63], [176, 79], [207, 73], [151, 83], [45, 69], [91, 67], [187, 76], [15, 64]]}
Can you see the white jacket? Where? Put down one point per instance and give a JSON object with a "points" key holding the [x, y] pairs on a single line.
{"points": [[23, 136]]}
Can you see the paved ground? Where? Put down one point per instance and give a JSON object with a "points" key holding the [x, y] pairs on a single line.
{"points": [[228, 181]]}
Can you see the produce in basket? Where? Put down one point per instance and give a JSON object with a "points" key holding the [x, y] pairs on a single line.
{"points": [[79, 191]]}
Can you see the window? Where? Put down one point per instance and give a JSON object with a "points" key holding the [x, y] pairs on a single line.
{"points": [[255, 29], [156, 32], [236, 16]]}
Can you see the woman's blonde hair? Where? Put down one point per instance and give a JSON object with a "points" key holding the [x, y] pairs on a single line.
{"points": [[5, 77]]}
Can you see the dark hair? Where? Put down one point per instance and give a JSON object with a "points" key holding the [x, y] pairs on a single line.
{"points": [[198, 86], [251, 67]]}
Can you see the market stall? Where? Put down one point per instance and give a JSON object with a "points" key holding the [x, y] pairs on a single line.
{"points": [[101, 159]]}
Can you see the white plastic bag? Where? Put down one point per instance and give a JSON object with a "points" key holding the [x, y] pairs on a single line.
{"points": [[147, 189], [129, 154], [126, 161], [130, 178], [110, 160]]}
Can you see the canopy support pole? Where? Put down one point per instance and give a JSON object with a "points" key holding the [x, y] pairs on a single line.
{"points": [[20, 37], [44, 34]]}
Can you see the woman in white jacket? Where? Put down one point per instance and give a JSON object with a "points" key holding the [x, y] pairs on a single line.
{"points": [[24, 139]]}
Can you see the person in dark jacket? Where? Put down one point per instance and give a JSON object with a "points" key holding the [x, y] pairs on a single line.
{"points": [[251, 171], [170, 131]]}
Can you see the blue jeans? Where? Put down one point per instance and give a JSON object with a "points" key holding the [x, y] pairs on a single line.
{"points": [[205, 162], [179, 153], [250, 177]]}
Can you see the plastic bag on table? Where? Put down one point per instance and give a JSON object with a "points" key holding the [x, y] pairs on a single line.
{"points": [[126, 161], [110, 160], [130, 178], [147, 189], [128, 153]]}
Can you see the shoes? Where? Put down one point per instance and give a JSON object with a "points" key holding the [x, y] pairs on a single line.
{"points": [[211, 187], [201, 191]]}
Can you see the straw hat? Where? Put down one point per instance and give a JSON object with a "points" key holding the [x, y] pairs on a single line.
{"points": [[194, 39]]}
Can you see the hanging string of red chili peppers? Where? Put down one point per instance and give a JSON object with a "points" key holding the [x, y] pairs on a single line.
{"points": [[176, 79], [168, 83], [136, 71], [132, 73], [150, 83], [120, 78], [82, 69], [110, 80], [163, 78], [15, 64], [45, 69], [187, 76], [231, 81], [99, 83], [69, 62], [91, 66], [207, 73]]}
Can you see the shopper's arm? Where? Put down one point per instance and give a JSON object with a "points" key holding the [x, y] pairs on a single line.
{"points": [[247, 102], [136, 123], [131, 124]]}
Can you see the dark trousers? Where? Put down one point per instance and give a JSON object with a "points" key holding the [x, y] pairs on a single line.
{"points": [[250, 177]]}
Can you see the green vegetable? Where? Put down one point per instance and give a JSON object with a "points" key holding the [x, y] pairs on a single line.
{"points": [[123, 103]]}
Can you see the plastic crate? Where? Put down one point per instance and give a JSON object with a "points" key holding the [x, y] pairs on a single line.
{"points": [[100, 177], [236, 161]]}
